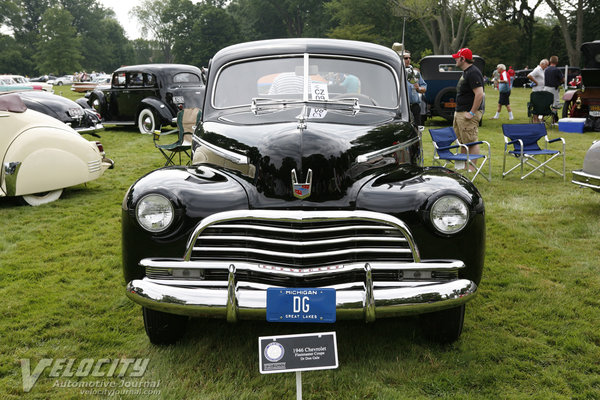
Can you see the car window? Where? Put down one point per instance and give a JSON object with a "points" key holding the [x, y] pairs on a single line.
{"points": [[119, 79], [330, 78], [136, 79], [186, 77], [150, 80], [449, 68]]}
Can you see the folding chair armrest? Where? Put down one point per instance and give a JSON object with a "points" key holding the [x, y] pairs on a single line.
{"points": [[474, 143], [515, 141], [449, 147], [555, 140]]}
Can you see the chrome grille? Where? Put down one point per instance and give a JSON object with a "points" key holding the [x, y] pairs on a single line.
{"points": [[302, 239]]}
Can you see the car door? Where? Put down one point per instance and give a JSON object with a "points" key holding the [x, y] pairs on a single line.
{"points": [[140, 85]]}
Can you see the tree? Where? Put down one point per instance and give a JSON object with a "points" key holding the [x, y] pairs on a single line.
{"points": [[257, 20], [59, 48], [150, 17], [11, 59], [497, 43], [567, 13], [446, 22]]}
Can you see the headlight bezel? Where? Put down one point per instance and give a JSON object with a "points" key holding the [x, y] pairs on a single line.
{"points": [[159, 198], [456, 201]]}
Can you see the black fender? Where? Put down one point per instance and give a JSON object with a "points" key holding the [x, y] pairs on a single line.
{"points": [[98, 95], [161, 110], [195, 192], [411, 188], [83, 102]]}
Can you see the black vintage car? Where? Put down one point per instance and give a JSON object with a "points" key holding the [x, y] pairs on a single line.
{"points": [[442, 75], [302, 185], [585, 102], [83, 120], [148, 96], [521, 79]]}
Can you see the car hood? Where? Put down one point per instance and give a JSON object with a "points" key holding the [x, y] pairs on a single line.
{"points": [[324, 157]]}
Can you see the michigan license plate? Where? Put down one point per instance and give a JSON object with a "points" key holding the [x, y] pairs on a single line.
{"points": [[300, 305], [595, 111]]}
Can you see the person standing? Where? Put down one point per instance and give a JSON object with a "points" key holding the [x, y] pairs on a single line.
{"points": [[537, 78], [511, 75], [469, 99], [504, 88], [416, 85], [553, 78]]}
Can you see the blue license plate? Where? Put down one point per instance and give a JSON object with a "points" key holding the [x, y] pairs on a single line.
{"points": [[300, 305]]}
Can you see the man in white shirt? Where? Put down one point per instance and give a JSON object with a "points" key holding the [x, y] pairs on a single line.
{"points": [[537, 75]]}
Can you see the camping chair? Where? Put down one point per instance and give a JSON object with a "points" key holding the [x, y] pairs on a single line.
{"points": [[443, 139], [541, 103], [524, 139], [187, 120]]}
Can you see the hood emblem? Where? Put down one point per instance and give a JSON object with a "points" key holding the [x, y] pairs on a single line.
{"points": [[301, 190]]}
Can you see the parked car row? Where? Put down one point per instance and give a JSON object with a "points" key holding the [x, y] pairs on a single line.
{"points": [[21, 82]]}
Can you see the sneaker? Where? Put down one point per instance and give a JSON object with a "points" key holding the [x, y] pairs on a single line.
{"points": [[510, 118], [494, 118]]}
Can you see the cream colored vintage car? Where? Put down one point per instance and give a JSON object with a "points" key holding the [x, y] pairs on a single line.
{"points": [[41, 155]]}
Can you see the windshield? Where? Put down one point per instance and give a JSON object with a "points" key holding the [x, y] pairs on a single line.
{"points": [[328, 79]]}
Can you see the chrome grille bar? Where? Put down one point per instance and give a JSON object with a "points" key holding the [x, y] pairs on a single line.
{"points": [[302, 243], [301, 238]]}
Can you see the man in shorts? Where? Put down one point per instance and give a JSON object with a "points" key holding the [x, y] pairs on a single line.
{"points": [[469, 99]]}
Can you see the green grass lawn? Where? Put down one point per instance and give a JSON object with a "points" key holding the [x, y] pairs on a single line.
{"points": [[533, 332]]}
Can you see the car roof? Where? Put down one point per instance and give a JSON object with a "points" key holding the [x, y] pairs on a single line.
{"points": [[306, 45], [153, 68]]}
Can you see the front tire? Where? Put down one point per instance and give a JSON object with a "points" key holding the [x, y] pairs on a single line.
{"points": [[163, 328], [443, 326], [147, 122], [38, 199]]}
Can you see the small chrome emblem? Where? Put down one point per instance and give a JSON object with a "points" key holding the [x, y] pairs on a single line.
{"points": [[301, 190]]}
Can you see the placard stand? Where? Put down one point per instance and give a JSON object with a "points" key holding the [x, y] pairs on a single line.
{"points": [[298, 385]]}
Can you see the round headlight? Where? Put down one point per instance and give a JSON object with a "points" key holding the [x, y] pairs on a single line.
{"points": [[154, 212], [449, 214]]}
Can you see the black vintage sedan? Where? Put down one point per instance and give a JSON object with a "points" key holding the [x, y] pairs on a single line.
{"points": [[148, 96], [83, 120], [306, 201]]}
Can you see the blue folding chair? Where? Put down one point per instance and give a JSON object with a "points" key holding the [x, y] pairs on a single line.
{"points": [[443, 139], [524, 140]]}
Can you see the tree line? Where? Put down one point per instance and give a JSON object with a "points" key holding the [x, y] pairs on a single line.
{"points": [[64, 36]]}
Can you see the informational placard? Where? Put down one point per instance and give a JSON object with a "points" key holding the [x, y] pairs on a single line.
{"points": [[303, 352]]}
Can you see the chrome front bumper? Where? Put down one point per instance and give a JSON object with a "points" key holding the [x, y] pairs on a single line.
{"points": [[586, 180], [242, 300]]}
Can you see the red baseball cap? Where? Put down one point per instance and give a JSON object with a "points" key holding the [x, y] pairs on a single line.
{"points": [[466, 53]]}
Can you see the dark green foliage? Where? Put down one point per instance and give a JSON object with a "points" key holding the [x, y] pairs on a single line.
{"points": [[59, 48]]}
